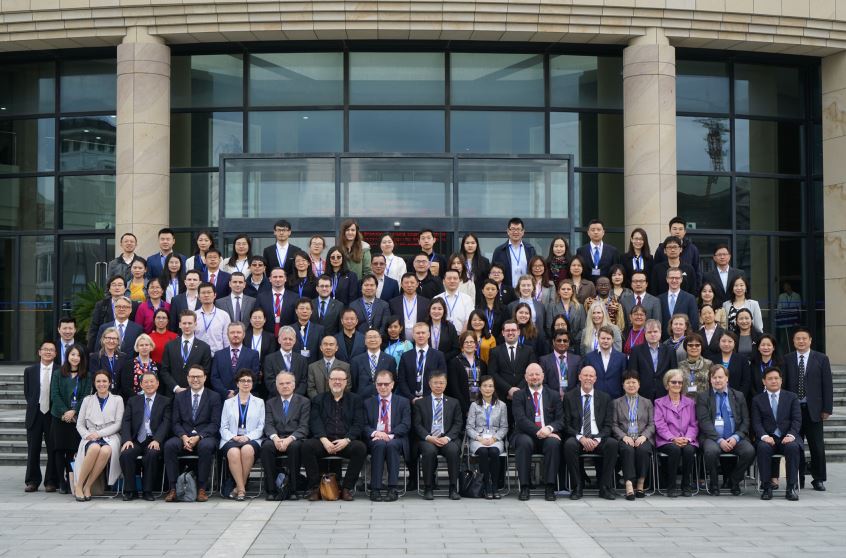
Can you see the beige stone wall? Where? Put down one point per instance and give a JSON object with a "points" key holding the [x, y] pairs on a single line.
{"points": [[812, 27]]}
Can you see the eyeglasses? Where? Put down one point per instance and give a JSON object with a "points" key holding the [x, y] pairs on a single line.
{"points": [[383, 384], [196, 377], [245, 381], [335, 257], [111, 338], [693, 345], [675, 382]]}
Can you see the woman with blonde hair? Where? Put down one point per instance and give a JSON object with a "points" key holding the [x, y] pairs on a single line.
{"points": [[598, 317]]}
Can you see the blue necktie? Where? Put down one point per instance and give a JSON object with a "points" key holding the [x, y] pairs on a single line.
{"points": [[195, 405], [728, 424], [774, 407], [595, 256], [672, 303], [285, 408]]}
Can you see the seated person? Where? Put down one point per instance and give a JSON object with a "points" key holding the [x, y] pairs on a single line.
{"points": [[487, 428], [241, 431], [286, 422], [676, 431], [387, 425], [634, 428], [438, 426]]}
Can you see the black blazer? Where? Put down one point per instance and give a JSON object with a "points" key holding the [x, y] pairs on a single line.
{"points": [[221, 282], [397, 309], [177, 305], [102, 314], [266, 346], [789, 415], [498, 315], [448, 342], [457, 379], [363, 382], [331, 320], [400, 418], [685, 304], [407, 375], [160, 418], [706, 412], [126, 377], [430, 286], [379, 314], [390, 289], [711, 350], [274, 363], [207, 423], [713, 277], [32, 391], [507, 374], [96, 362], [608, 257], [316, 333], [652, 379], [357, 346], [453, 419], [174, 372], [272, 259], [740, 375], [352, 414], [819, 386], [502, 256], [287, 316], [295, 423], [130, 334], [628, 265], [523, 407], [603, 412], [658, 281], [346, 289], [253, 291], [551, 376], [223, 374], [302, 287]]}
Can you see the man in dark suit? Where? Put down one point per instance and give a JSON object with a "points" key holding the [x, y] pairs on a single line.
{"points": [[690, 252], [218, 278], [286, 360], [103, 310], [639, 296], [426, 239], [560, 367], [325, 310], [724, 428], [588, 415], [598, 256], [409, 306], [417, 365], [127, 329], [690, 280], [318, 372], [278, 304], [336, 422], [228, 361], [808, 375], [776, 420], [195, 426], [364, 367], [677, 301], [236, 304], [514, 255], [281, 253], [651, 360], [439, 428], [538, 427], [386, 287], [257, 281], [182, 353], [309, 334], [286, 425], [387, 425], [350, 340], [38, 420], [371, 311], [155, 262], [67, 334], [723, 274], [189, 300], [609, 364], [507, 362], [145, 427]]}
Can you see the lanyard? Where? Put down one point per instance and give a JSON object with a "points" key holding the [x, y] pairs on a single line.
{"points": [[304, 335], [634, 340], [488, 411], [436, 336], [317, 266], [302, 286], [207, 324], [174, 285], [567, 310], [519, 254], [411, 312], [335, 277], [388, 267], [489, 317], [562, 370], [75, 390], [242, 267], [279, 256], [450, 309], [474, 371], [256, 343], [538, 291], [469, 265], [243, 409], [102, 402], [521, 339]]}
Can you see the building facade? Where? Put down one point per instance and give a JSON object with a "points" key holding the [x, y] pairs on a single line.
{"points": [[128, 115]]}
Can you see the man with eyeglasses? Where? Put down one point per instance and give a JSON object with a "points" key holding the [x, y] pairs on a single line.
{"points": [[650, 303], [37, 379], [514, 254], [560, 367], [128, 331], [677, 301], [386, 429], [281, 253], [507, 362], [227, 362]]}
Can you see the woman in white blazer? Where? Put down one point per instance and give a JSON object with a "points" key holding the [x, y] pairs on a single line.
{"points": [[739, 290], [98, 424], [241, 431], [487, 428]]}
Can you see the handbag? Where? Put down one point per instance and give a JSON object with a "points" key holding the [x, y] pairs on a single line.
{"points": [[471, 484], [329, 489]]}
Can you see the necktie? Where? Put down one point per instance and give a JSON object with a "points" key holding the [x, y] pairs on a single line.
{"points": [[801, 389], [368, 310], [212, 278], [285, 408], [438, 417], [277, 311], [383, 416], [237, 308], [672, 303], [774, 407], [538, 421], [287, 361], [373, 366], [728, 427], [512, 353], [195, 404], [65, 352], [586, 431], [638, 299], [44, 399], [185, 350], [637, 263], [234, 358], [328, 365], [322, 311], [595, 256], [144, 431], [120, 332]]}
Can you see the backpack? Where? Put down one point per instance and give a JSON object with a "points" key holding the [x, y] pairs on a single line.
{"points": [[186, 487]]}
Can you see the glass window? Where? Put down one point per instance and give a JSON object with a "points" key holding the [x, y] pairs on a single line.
{"points": [[507, 187], [296, 79], [8, 277], [487, 244], [194, 199], [496, 79], [27, 203], [702, 143], [594, 139], [198, 139], [396, 131], [396, 187], [702, 86], [88, 85], [497, 132], [87, 142], [391, 78], [35, 299], [27, 88], [586, 81], [769, 205], [753, 257], [763, 146], [767, 90], [206, 80], [297, 131], [88, 202], [261, 187], [705, 201], [27, 145], [789, 288], [707, 245], [599, 196]]}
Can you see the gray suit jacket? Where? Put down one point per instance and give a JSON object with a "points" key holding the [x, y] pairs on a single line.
{"points": [[650, 303], [294, 424], [706, 412], [227, 304], [476, 425], [645, 418], [318, 379]]}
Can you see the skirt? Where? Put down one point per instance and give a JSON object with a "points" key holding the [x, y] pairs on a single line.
{"points": [[65, 435], [233, 444]]}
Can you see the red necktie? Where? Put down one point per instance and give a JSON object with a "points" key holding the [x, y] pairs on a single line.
{"points": [[277, 312], [211, 278], [638, 299], [538, 422], [383, 416]]}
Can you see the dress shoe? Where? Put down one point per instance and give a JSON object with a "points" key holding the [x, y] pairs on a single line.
{"points": [[314, 495], [148, 496], [607, 494], [549, 493], [767, 494], [202, 496], [496, 495], [376, 496], [524, 494], [819, 486], [272, 496], [576, 493], [453, 493], [801, 482], [640, 494], [735, 489], [686, 492], [31, 488], [673, 493], [129, 496], [630, 496], [392, 495], [791, 494], [411, 485], [428, 493], [64, 490], [170, 496], [49, 488], [346, 495], [714, 491], [489, 491]]}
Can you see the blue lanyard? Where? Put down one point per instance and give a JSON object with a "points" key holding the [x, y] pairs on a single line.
{"points": [[75, 390], [405, 308], [207, 324], [474, 371], [436, 336], [334, 284], [256, 343], [279, 256], [302, 286], [489, 317], [243, 409], [519, 254], [390, 262], [488, 411], [451, 309], [304, 335], [521, 340]]}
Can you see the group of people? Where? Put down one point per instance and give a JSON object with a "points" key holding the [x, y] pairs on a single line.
{"points": [[291, 356]]}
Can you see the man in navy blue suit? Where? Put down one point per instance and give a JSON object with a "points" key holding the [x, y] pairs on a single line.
{"points": [[278, 303], [386, 287], [560, 367], [677, 301], [127, 329], [229, 360], [364, 367], [387, 426], [155, 262], [416, 365], [609, 364], [371, 311], [213, 274], [514, 255], [596, 254]]}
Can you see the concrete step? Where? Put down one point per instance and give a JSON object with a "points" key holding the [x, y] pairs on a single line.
{"points": [[7, 434], [12, 404]]}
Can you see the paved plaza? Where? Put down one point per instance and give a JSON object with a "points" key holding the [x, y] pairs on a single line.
{"points": [[55, 525]]}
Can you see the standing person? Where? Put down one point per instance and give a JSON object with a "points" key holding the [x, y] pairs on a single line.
{"points": [[505, 293], [737, 301], [395, 266], [560, 367], [438, 426], [710, 331], [344, 282], [566, 305], [133, 370], [68, 387], [239, 260], [370, 310], [316, 245], [676, 301], [638, 257], [236, 304], [241, 431], [160, 335], [387, 429], [543, 289], [104, 310], [37, 379], [173, 277], [277, 302], [690, 253], [723, 275], [67, 332], [444, 336], [490, 307], [514, 254], [182, 353], [326, 310], [136, 286], [409, 306], [429, 284], [281, 253], [287, 360], [507, 362], [582, 287], [707, 295], [364, 367], [218, 278], [597, 253], [203, 242], [156, 262], [229, 362], [639, 296], [120, 265], [737, 367], [386, 287], [558, 260], [257, 282], [460, 285], [478, 266], [211, 321], [651, 360], [808, 374], [427, 241], [128, 331], [188, 300], [417, 365], [357, 251], [673, 260], [302, 281], [788, 313], [395, 346], [309, 334]]}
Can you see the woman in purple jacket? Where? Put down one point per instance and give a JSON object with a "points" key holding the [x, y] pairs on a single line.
{"points": [[676, 431]]}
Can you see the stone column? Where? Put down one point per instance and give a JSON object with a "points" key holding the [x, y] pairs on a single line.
{"points": [[834, 204], [143, 138], [649, 134]]}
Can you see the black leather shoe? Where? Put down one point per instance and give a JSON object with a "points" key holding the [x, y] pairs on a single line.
{"points": [[524, 494], [376, 496], [767, 494], [819, 486], [411, 486], [391, 496], [607, 494], [428, 493], [271, 497], [714, 491], [576, 493], [791, 494], [453, 493], [673, 493], [31, 488], [686, 492], [148, 496], [735, 489], [129, 496], [549, 493]]}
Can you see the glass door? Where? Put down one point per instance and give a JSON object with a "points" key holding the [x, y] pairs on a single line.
{"points": [[82, 259]]}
